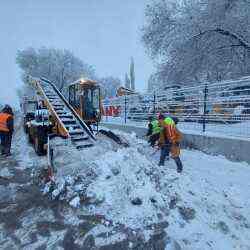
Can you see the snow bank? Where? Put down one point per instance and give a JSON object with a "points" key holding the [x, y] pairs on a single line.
{"points": [[205, 207], [110, 178], [122, 178]]}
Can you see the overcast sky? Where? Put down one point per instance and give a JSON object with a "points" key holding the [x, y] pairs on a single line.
{"points": [[103, 33]]}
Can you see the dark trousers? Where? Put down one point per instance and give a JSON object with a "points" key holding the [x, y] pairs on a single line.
{"points": [[153, 138], [5, 142], [178, 164], [165, 153]]}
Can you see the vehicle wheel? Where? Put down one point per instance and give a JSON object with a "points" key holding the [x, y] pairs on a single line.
{"points": [[38, 146]]}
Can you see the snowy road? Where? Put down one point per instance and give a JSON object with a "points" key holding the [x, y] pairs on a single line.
{"points": [[206, 207]]}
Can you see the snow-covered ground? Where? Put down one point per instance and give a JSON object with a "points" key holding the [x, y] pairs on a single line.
{"points": [[238, 130], [119, 198], [205, 207]]}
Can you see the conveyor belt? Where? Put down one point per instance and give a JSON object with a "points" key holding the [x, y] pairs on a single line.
{"points": [[69, 122]]}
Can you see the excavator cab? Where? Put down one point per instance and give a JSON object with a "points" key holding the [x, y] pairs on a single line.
{"points": [[84, 97]]}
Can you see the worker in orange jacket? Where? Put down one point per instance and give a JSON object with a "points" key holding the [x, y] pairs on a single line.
{"points": [[170, 139], [6, 129]]}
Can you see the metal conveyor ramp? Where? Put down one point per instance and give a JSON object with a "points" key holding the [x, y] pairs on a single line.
{"points": [[69, 122]]}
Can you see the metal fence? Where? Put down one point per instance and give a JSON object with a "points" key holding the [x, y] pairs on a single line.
{"points": [[221, 108]]}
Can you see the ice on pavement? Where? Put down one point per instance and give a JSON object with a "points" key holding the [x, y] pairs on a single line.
{"points": [[205, 207]]}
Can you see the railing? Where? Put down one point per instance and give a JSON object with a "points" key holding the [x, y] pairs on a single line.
{"points": [[74, 113], [221, 108]]}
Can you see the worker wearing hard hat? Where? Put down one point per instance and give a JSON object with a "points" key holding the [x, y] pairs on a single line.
{"points": [[6, 129]]}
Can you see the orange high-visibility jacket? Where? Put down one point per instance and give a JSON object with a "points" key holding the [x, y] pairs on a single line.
{"points": [[3, 122], [172, 133], [174, 136]]}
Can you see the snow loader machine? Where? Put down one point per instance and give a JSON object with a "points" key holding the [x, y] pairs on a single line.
{"points": [[53, 115]]}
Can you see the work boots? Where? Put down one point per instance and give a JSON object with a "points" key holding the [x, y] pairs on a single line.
{"points": [[178, 164]]}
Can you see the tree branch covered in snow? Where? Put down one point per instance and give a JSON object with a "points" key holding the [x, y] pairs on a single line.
{"points": [[59, 66], [242, 43], [109, 85], [193, 41]]}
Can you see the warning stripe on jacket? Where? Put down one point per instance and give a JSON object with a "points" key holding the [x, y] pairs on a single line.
{"points": [[171, 132], [3, 122]]}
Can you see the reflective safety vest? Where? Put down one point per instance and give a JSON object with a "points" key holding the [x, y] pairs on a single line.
{"points": [[3, 122], [169, 121], [170, 128], [156, 127]]}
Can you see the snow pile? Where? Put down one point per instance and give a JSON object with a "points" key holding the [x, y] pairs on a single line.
{"points": [[205, 207], [75, 202], [111, 180], [124, 178]]}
